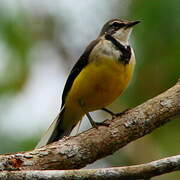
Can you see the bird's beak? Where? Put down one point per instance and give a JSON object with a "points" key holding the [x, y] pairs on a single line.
{"points": [[131, 24]]}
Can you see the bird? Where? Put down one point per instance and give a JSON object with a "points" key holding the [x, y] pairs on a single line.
{"points": [[100, 75]]}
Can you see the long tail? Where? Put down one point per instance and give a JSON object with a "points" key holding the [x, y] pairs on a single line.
{"points": [[60, 127]]}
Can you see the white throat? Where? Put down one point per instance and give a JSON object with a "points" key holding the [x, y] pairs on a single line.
{"points": [[123, 36]]}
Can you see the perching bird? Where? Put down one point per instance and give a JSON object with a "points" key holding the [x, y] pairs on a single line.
{"points": [[100, 75]]}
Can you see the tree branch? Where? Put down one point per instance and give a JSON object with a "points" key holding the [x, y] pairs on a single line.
{"points": [[142, 171], [87, 147]]}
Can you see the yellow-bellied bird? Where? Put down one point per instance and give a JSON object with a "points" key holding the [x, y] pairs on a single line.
{"points": [[100, 75]]}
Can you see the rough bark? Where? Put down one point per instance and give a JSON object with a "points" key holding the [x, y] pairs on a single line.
{"points": [[142, 171], [76, 152]]}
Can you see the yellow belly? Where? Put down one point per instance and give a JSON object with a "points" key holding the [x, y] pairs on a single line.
{"points": [[99, 84]]}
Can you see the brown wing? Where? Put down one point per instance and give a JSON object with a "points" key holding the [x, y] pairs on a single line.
{"points": [[80, 64]]}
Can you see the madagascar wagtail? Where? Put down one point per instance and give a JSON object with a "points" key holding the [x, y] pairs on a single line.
{"points": [[100, 75]]}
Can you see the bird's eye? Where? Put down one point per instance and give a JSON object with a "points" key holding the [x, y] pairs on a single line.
{"points": [[117, 25]]}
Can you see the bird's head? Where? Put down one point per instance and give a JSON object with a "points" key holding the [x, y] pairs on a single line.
{"points": [[119, 29]]}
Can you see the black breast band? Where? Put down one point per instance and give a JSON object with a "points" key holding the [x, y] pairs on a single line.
{"points": [[126, 51]]}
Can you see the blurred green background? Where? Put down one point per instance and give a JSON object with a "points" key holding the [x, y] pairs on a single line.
{"points": [[41, 40]]}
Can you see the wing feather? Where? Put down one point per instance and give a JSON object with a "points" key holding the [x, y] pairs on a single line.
{"points": [[80, 64]]}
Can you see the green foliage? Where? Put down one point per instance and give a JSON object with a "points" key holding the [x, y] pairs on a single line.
{"points": [[17, 39], [158, 46]]}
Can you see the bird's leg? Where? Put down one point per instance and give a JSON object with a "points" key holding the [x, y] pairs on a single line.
{"points": [[114, 114], [123, 112], [109, 112], [78, 126], [95, 124]]}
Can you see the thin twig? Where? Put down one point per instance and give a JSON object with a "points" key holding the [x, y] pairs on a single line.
{"points": [[142, 171]]}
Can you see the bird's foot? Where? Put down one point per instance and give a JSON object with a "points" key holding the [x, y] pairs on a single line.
{"points": [[97, 124]]}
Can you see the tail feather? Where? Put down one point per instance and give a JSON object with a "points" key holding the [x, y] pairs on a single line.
{"points": [[55, 131], [47, 135]]}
